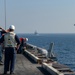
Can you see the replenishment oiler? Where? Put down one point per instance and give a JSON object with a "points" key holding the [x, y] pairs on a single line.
{"points": [[38, 61]]}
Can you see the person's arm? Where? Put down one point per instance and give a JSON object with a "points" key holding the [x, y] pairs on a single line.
{"points": [[4, 29], [18, 41]]}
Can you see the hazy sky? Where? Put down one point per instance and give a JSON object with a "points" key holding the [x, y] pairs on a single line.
{"points": [[45, 16]]}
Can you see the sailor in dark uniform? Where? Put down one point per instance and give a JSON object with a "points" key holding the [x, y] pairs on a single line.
{"points": [[2, 31], [11, 42]]}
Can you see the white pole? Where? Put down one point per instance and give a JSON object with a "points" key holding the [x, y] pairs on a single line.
{"points": [[5, 12]]}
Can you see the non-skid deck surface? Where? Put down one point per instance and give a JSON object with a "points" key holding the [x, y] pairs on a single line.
{"points": [[25, 67]]}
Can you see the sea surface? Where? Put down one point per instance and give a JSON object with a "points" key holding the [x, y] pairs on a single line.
{"points": [[64, 46]]}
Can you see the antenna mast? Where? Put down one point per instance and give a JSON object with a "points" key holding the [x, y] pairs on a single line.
{"points": [[5, 12]]}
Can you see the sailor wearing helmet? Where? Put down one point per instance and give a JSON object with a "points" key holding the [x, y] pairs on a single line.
{"points": [[11, 42]]}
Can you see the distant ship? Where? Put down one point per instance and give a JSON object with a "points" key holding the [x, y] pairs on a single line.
{"points": [[36, 33]]}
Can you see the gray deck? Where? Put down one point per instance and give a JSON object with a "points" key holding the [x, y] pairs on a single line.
{"points": [[24, 66]]}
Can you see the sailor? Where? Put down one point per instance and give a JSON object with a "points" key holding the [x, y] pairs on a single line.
{"points": [[11, 42], [1, 63], [22, 45], [2, 31]]}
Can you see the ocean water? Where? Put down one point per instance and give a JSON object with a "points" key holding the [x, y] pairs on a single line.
{"points": [[64, 46]]}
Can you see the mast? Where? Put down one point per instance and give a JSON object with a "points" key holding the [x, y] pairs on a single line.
{"points": [[5, 12]]}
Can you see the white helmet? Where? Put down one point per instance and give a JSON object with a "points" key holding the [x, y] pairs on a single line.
{"points": [[26, 39], [12, 27]]}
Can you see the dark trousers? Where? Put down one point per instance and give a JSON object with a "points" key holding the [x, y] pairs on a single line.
{"points": [[9, 61], [0, 53]]}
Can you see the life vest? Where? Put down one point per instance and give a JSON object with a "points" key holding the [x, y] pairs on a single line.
{"points": [[9, 39]]}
